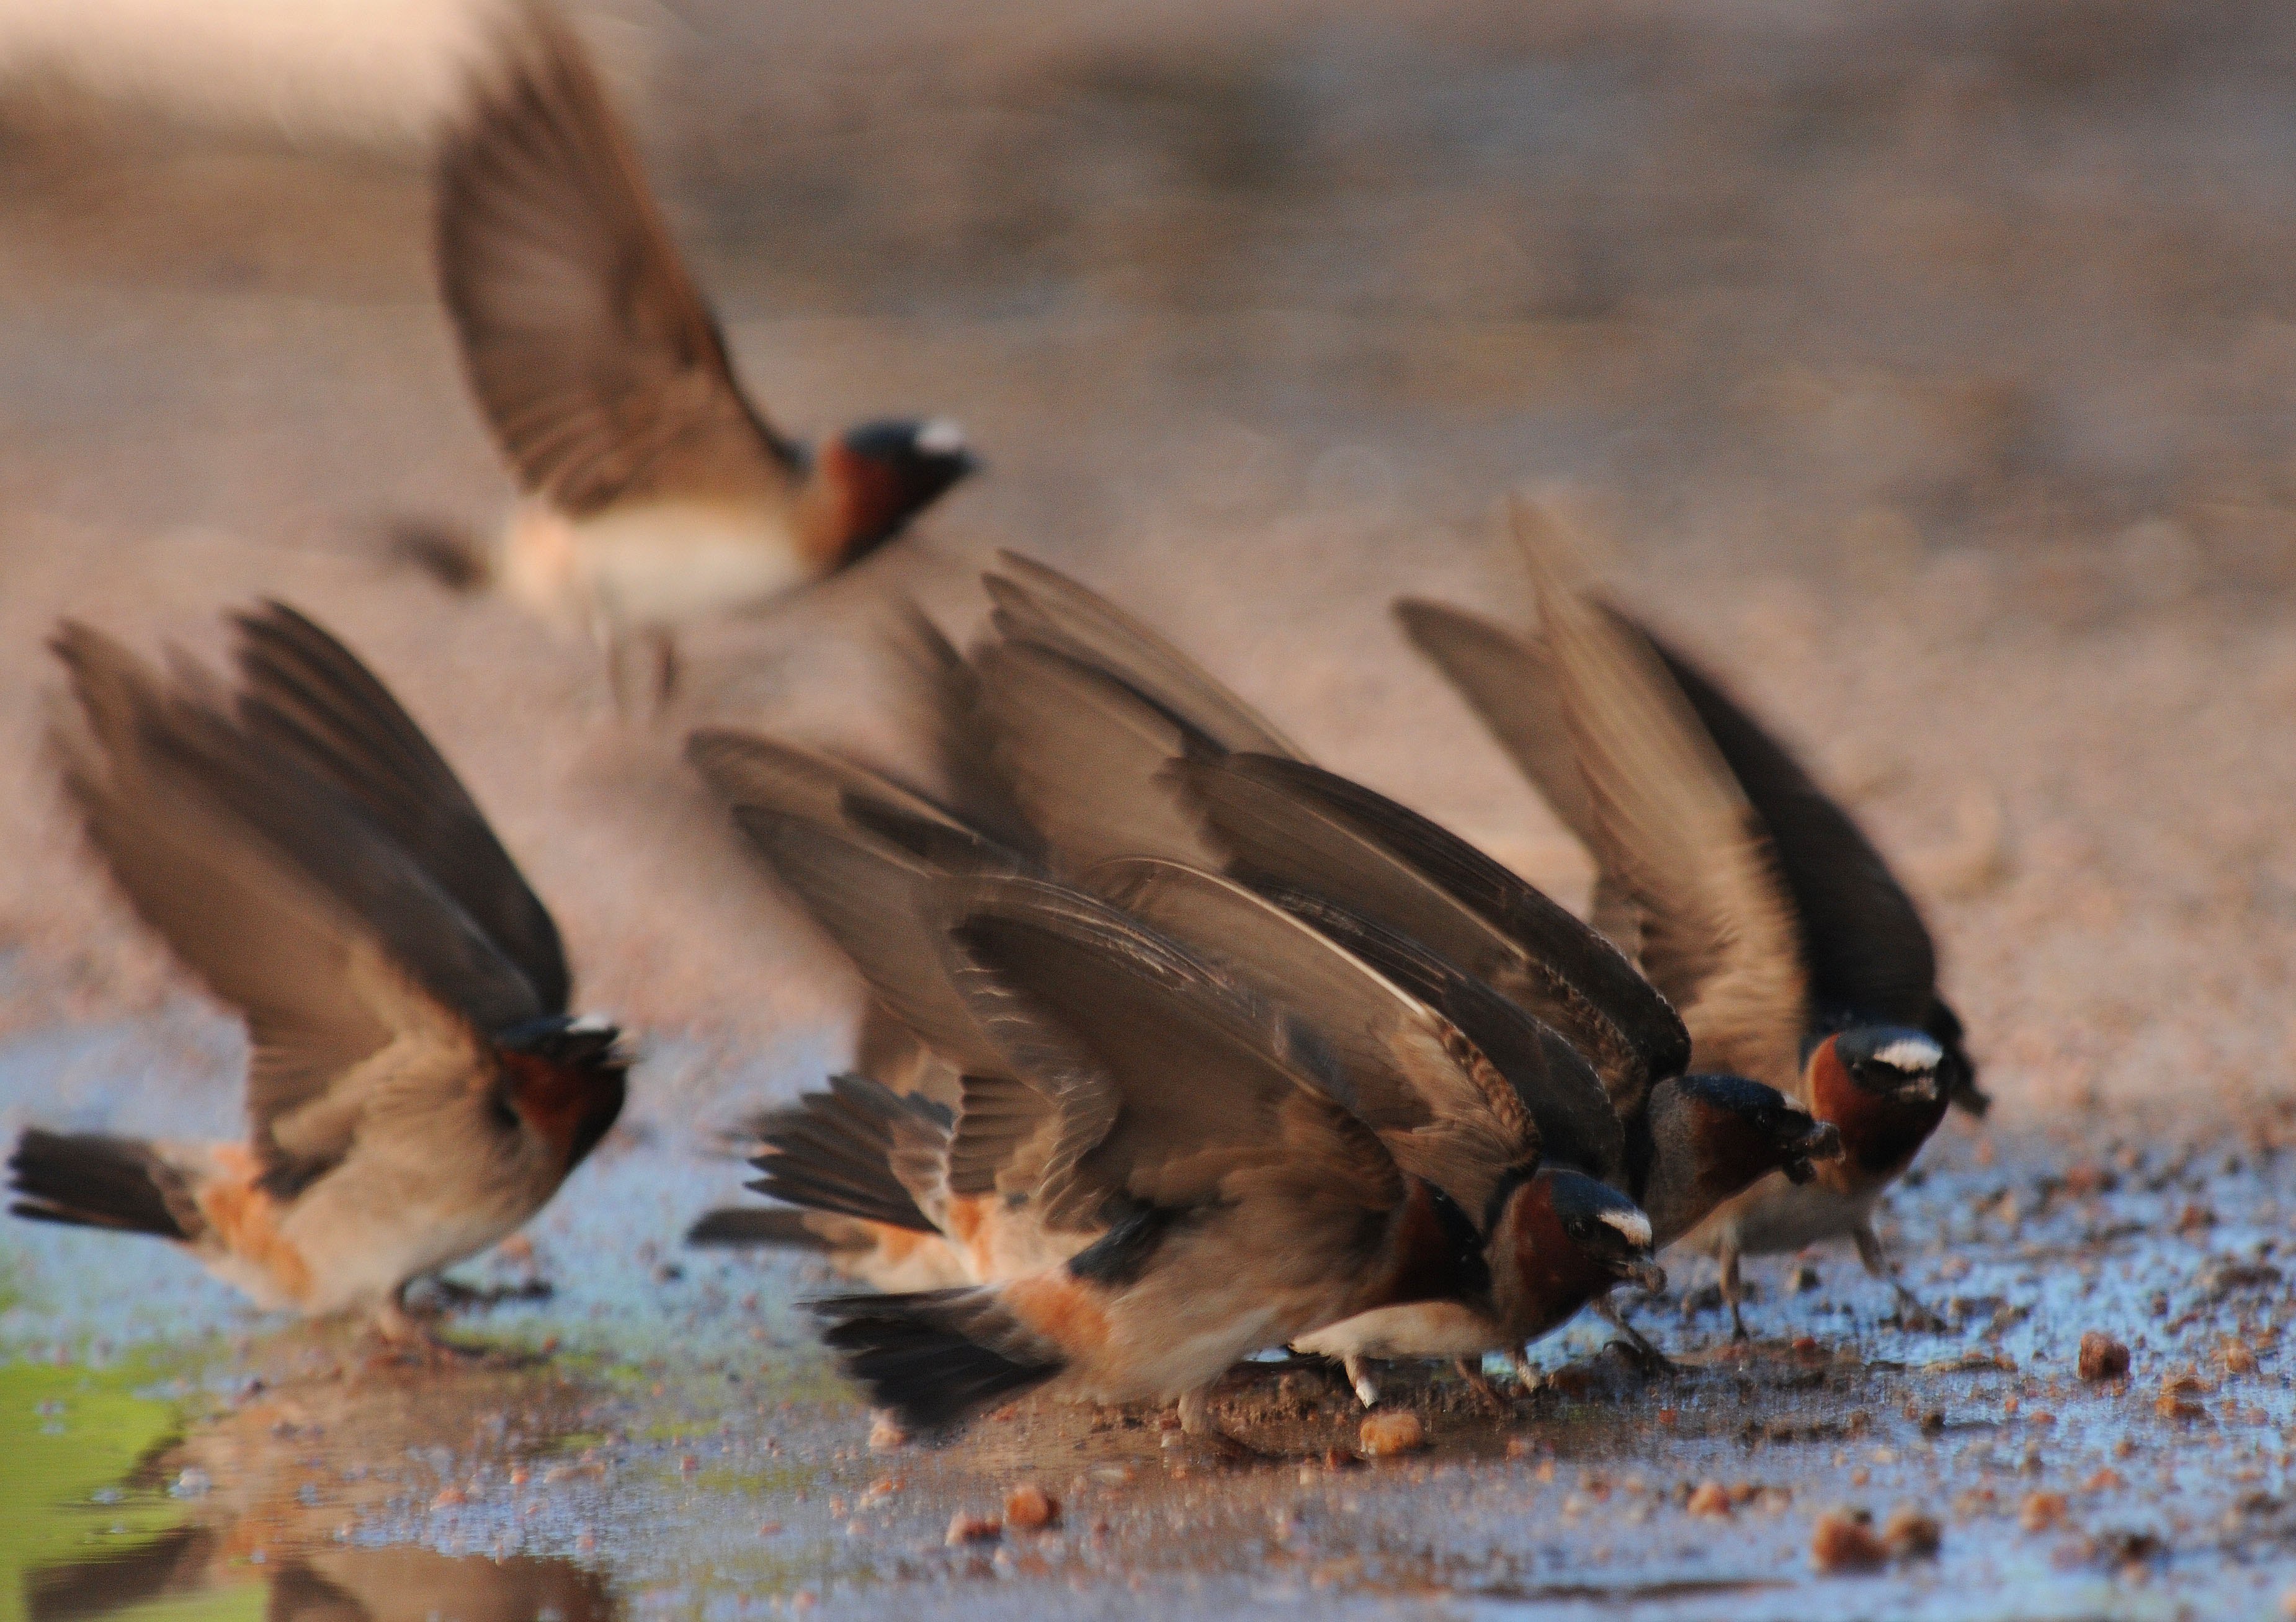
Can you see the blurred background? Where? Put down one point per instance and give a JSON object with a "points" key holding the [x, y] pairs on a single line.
{"points": [[1927, 367]]}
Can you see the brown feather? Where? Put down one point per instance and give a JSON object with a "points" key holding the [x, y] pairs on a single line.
{"points": [[599, 367], [1672, 828]]}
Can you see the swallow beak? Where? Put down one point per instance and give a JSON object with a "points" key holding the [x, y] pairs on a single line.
{"points": [[1644, 1274]]}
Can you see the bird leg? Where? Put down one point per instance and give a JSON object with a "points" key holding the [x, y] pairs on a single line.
{"points": [[402, 1330], [1732, 1285], [1196, 1421], [1471, 1370], [1910, 1310]]}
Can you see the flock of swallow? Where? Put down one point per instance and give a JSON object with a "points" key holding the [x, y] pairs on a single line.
{"points": [[1178, 1047]]}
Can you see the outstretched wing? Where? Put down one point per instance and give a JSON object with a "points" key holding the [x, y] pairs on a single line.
{"points": [[1673, 830], [1178, 1088], [351, 964], [1038, 604], [1507, 680], [1865, 947], [1288, 825], [1442, 1109], [601, 370], [303, 692]]}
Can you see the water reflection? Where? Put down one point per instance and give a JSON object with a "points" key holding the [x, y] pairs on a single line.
{"points": [[273, 1505], [329, 1586]]}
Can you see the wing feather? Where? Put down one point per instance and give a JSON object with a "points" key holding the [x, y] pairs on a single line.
{"points": [[599, 367], [1672, 828]]}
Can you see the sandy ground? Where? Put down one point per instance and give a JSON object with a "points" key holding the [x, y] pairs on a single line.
{"points": [[1929, 368]]}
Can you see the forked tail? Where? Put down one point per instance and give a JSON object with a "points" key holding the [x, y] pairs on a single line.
{"points": [[938, 1358], [88, 1180]]}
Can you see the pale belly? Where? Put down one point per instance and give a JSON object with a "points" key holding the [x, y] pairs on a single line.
{"points": [[1423, 1329], [651, 567], [1775, 1216]]}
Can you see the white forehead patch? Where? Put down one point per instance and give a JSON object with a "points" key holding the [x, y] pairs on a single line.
{"points": [[940, 437], [1634, 1225], [592, 1021], [1910, 1055]]}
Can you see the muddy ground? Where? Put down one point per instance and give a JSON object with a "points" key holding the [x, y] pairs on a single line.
{"points": [[1929, 367]]}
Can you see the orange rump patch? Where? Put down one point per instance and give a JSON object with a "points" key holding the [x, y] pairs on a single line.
{"points": [[247, 1220], [1060, 1307]]}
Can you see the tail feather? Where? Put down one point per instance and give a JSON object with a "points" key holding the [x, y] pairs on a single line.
{"points": [[91, 1181], [843, 1150], [938, 1358], [739, 1226]]}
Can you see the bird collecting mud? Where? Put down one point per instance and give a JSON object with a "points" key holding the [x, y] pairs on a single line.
{"points": [[1749, 898], [1321, 922], [417, 1088]]}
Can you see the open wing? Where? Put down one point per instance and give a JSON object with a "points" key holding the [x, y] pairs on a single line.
{"points": [[1288, 825], [1084, 751], [1444, 1112], [1865, 947], [944, 693], [304, 692], [1509, 682], [1038, 604], [1556, 1086], [1179, 1088], [599, 368], [1673, 830], [291, 904]]}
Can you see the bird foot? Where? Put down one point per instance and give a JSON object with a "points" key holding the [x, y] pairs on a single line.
{"points": [[1480, 1383]]}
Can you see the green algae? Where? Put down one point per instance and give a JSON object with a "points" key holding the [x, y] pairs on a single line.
{"points": [[70, 1440]]}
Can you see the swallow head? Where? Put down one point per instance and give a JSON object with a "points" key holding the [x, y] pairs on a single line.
{"points": [[1556, 1240], [1745, 1130], [884, 473], [564, 1079], [1895, 1062]]}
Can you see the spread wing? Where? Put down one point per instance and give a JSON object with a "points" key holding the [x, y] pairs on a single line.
{"points": [[1558, 1089], [1286, 825], [1178, 1089], [862, 854], [944, 695], [1507, 680], [601, 370], [1041, 605], [1083, 752], [305, 693], [1673, 830], [350, 964], [1087, 705], [1865, 947], [1403, 1069]]}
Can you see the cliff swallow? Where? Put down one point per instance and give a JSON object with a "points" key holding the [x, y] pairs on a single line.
{"points": [[416, 1089], [655, 492], [1102, 726], [891, 876], [1795, 955], [1232, 1170], [1867, 956]]}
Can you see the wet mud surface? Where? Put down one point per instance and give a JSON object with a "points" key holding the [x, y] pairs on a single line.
{"points": [[1930, 369], [641, 1432]]}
